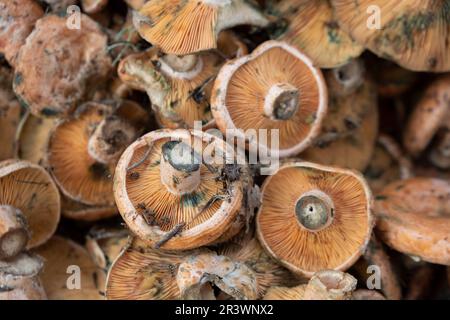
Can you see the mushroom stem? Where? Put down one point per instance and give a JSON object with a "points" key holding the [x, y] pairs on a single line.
{"points": [[183, 67], [330, 285], [14, 233], [180, 167], [314, 210], [281, 102], [349, 76], [109, 139]]}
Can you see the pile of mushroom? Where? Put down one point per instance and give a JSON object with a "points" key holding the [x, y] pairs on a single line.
{"points": [[224, 149]]}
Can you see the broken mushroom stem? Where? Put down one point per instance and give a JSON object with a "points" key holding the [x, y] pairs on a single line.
{"points": [[180, 167], [330, 285], [111, 136], [314, 210], [14, 232], [281, 102]]}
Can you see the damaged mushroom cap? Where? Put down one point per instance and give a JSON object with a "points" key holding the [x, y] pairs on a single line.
{"points": [[30, 189], [314, 217], [79, 211], [142, 273], [19, 278], [65, 260], [230, 45], [413, 217], [352, 152], [57, 67], [83, 149], [276, 88], [93, 6], [11, 115], [388, 164], [32, 138], [312, 27], [324, 285], [413, 34], [367, 294], [186, 27], [17, 19], [351, 99], [170, 196], [430, 116], [178, 87]]}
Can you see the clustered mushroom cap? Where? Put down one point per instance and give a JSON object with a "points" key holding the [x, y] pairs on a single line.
{"points": [[79, 172], [61, 255], [314, 217], [153, 211], [178, 87], [57, 67], [185, 27], [18, 19], [312, 28], [29, 188], [276, 87], [413, 218], [19, 278], [415, 34]]}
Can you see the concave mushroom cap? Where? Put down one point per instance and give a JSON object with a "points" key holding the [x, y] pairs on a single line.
{"points": [[352, 152], [83, 149], [93, 6], [32, 138], [17, 19], [413, 217], [388, 164], [65, 261], [312, 27], [367, 294], [247, 249], [177, 209], [57, 67], [430, 114], [79, 211], [414, 34], [19, 278], [276, 88], [29, 188], [178, 87], [11, 115], [185, 27], [142, 273], [314, 217]]}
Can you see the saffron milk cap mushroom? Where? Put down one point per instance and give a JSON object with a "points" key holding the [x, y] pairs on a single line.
{"points": [[171, 196], [184, 27], [276, 88], [413, 218], [414, 34], [314, 217]]}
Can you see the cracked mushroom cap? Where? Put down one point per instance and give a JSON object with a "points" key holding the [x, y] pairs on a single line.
{"points": [[171, 197], [185, 27], [65, 260], [17, 19], [11, 115], [413, 217], [314, 217], [353, 151], [83, 150], [276, 88], [388, 164], [57, 67], [142, 273], [179, 87], [415, 34], [312, 27], [430, 116], [19, 278], [30, 190]]}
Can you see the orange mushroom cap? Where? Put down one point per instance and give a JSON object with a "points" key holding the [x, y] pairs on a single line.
{"points": [[276, 87], [314, 217], [413, 218], [414, 34]]}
